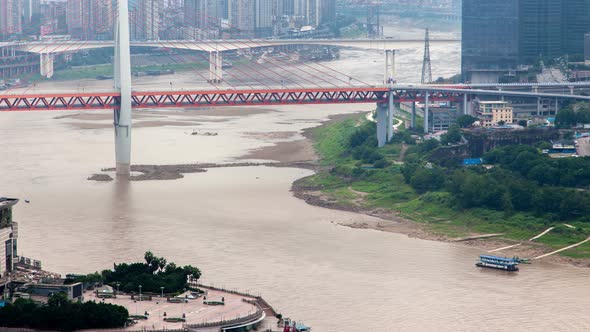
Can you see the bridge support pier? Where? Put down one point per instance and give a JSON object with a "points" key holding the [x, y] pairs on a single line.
{"points": [[426, 111], [46, 66], [382, 124], [413, 119], [215, 67], [390, 112], [122, 115], [465, 104]]}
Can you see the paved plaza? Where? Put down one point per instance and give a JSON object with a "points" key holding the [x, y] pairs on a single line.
{"points": [[194, 309]]}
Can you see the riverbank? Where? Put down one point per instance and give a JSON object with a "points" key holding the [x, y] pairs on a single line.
{"points": [[385, 195]]}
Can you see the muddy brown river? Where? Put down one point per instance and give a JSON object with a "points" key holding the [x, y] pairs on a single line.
{"points": [[245, 230]]}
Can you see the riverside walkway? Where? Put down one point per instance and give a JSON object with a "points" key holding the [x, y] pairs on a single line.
{"points": [[196, 313]]}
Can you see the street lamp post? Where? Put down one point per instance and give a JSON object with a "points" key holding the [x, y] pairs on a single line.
{"points": [[140, 292], [162, 289]]}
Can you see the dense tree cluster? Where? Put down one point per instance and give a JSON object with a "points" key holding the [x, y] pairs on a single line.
{"points": [[522, 180], [363, 145], [570, 117], [534, 166], [62, 314], [152, 274]]}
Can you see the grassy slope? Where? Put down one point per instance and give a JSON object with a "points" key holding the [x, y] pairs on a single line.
{"points": [[385, 188]]}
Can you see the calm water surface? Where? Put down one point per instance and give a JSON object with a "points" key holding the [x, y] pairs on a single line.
{"points": [[244, 229]]}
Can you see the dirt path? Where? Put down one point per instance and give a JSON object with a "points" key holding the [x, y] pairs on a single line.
{"points": [[562, 249], [544, 232], [505, 248]]}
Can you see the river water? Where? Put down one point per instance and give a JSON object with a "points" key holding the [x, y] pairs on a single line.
{"points": [[245, 230]]}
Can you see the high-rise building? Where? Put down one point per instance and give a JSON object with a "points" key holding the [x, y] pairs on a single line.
{"points": [[490, 38], [308, 11], [265, 17], [540, 29], [241, 16], [328, 11], [575, 23], [286, 7], [499, 35], [203, 14], [90, 19], [146, 20], [8, 236], [10, 17]]}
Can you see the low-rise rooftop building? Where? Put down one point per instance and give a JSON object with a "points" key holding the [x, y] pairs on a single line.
{"points": [[492, 113]]}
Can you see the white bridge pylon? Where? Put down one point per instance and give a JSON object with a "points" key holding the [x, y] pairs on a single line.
{"points": [[122, 84]]}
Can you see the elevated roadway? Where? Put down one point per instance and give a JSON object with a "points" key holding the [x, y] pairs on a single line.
{"points": [[53, 47]]}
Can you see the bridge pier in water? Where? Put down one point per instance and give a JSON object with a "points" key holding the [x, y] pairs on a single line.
{"points": [[46, 66], [122, 114]]}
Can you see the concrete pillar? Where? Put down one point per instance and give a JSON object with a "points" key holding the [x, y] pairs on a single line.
{"points": [[381, 124], [122, 116], [556, 105], [413, 119], [538, 105], [219, 67], [390, 112], [46, 65], [465, 104], [571, 90], [215, 67], [389, 74], [426, 111]]}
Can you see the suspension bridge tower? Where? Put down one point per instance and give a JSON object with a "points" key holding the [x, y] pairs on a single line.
{"points": [[122, 85]]}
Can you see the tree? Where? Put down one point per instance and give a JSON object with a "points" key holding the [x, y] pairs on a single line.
{"points": [[452, 136], [566, 118], [149, 257], [523, 123], [58, 300], [465, 121]]}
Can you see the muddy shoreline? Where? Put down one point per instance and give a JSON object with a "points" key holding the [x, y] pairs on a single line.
{"points": [[301, 154]]}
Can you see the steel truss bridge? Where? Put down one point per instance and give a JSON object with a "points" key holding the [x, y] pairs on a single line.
{"points": [[262, 97]]}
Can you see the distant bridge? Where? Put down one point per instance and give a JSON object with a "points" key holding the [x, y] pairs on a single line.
{"points": [[54, 47]]}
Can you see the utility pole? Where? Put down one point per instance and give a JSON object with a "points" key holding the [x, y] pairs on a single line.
{"points": [[426, 65]]}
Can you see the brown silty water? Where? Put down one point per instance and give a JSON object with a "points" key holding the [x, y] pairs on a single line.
{"points": [[245, 230]]}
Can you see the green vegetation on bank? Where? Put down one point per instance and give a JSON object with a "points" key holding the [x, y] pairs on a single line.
{"points": [[523, 193], [62, 314], [153, 273]]}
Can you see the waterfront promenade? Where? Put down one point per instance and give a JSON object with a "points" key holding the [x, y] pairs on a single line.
{"points": [[237, 307]]}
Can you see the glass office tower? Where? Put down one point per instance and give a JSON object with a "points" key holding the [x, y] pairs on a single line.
{"points": [[490, 36]]}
